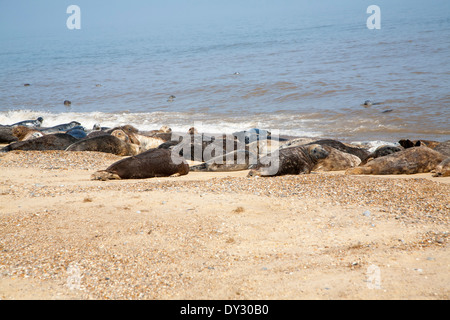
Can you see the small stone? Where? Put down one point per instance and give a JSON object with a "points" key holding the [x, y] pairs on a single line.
{"points": [[366, 213]]}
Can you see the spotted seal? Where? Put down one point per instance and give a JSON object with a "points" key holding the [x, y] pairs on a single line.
{"points": [[294, 160], [359, 152], [60, 127], [409, 161], [149, 164], [29, 123]]}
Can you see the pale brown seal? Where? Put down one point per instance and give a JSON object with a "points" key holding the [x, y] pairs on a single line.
{"points": [[149, 164], [410, 161], [336, 160], [294, 160], [26, 133]]}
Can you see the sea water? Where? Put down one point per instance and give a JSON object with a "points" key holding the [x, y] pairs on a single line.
{"points": [[299, 69]]}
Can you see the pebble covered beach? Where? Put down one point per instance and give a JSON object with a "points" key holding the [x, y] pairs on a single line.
{"points": [[217, 235]]}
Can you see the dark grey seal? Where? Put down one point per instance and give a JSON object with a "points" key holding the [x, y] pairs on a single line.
{"points": [[57, 141], [149, 164]]}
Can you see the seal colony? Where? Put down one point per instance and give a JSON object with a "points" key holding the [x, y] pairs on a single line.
{"points": [[161, 152]]}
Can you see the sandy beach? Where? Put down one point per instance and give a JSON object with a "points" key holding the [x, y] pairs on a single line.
{"points": [[217, 235]]}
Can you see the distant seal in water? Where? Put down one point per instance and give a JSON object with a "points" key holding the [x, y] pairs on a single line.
{"points": [[233, 161], [26, 133], [409, 161], [336, 160], [29, 123], [381, 152], [107, 144], [149, 164], [443, 168], [359, 152], [67, 103], [57, 141], [294, 160], [61, 127]]}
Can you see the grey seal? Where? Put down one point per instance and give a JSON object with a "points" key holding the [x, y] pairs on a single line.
{"points": [[294, 160], [149, 164]]}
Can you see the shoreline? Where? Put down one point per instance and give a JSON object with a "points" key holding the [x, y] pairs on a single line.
{"points": [[217, 235]]}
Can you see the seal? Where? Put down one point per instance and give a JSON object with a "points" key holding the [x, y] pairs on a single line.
{"points": [[409, 161], [359, 152], [129, 130], [78, 132], [60, 128], [237, 160], [444, 148], [294, 160], [26, 133], [336, 160], [381, 152], [163, 129], [149, 164], [29, 123], [6, 135], [107, 144], [406, 143], [149, 142], [56, 141], [443, 169]]}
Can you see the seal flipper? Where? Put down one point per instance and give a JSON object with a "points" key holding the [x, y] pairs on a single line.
{"points": [[199, 168], [104, 175]]}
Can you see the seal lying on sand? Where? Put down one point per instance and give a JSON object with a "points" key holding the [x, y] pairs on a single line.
{"points": [[295, 160], [443, 169], [336, 160], [29, 123], [6, 135], [233, 161], [381, 152], [409, 161], [444, 148], [107, 144], [149, 142], [359, 152], [60, 128], [149, 164], [26, 133], [57, 141]]}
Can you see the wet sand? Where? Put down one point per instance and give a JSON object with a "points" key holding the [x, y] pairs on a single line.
{"points": [[217, 235]]}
